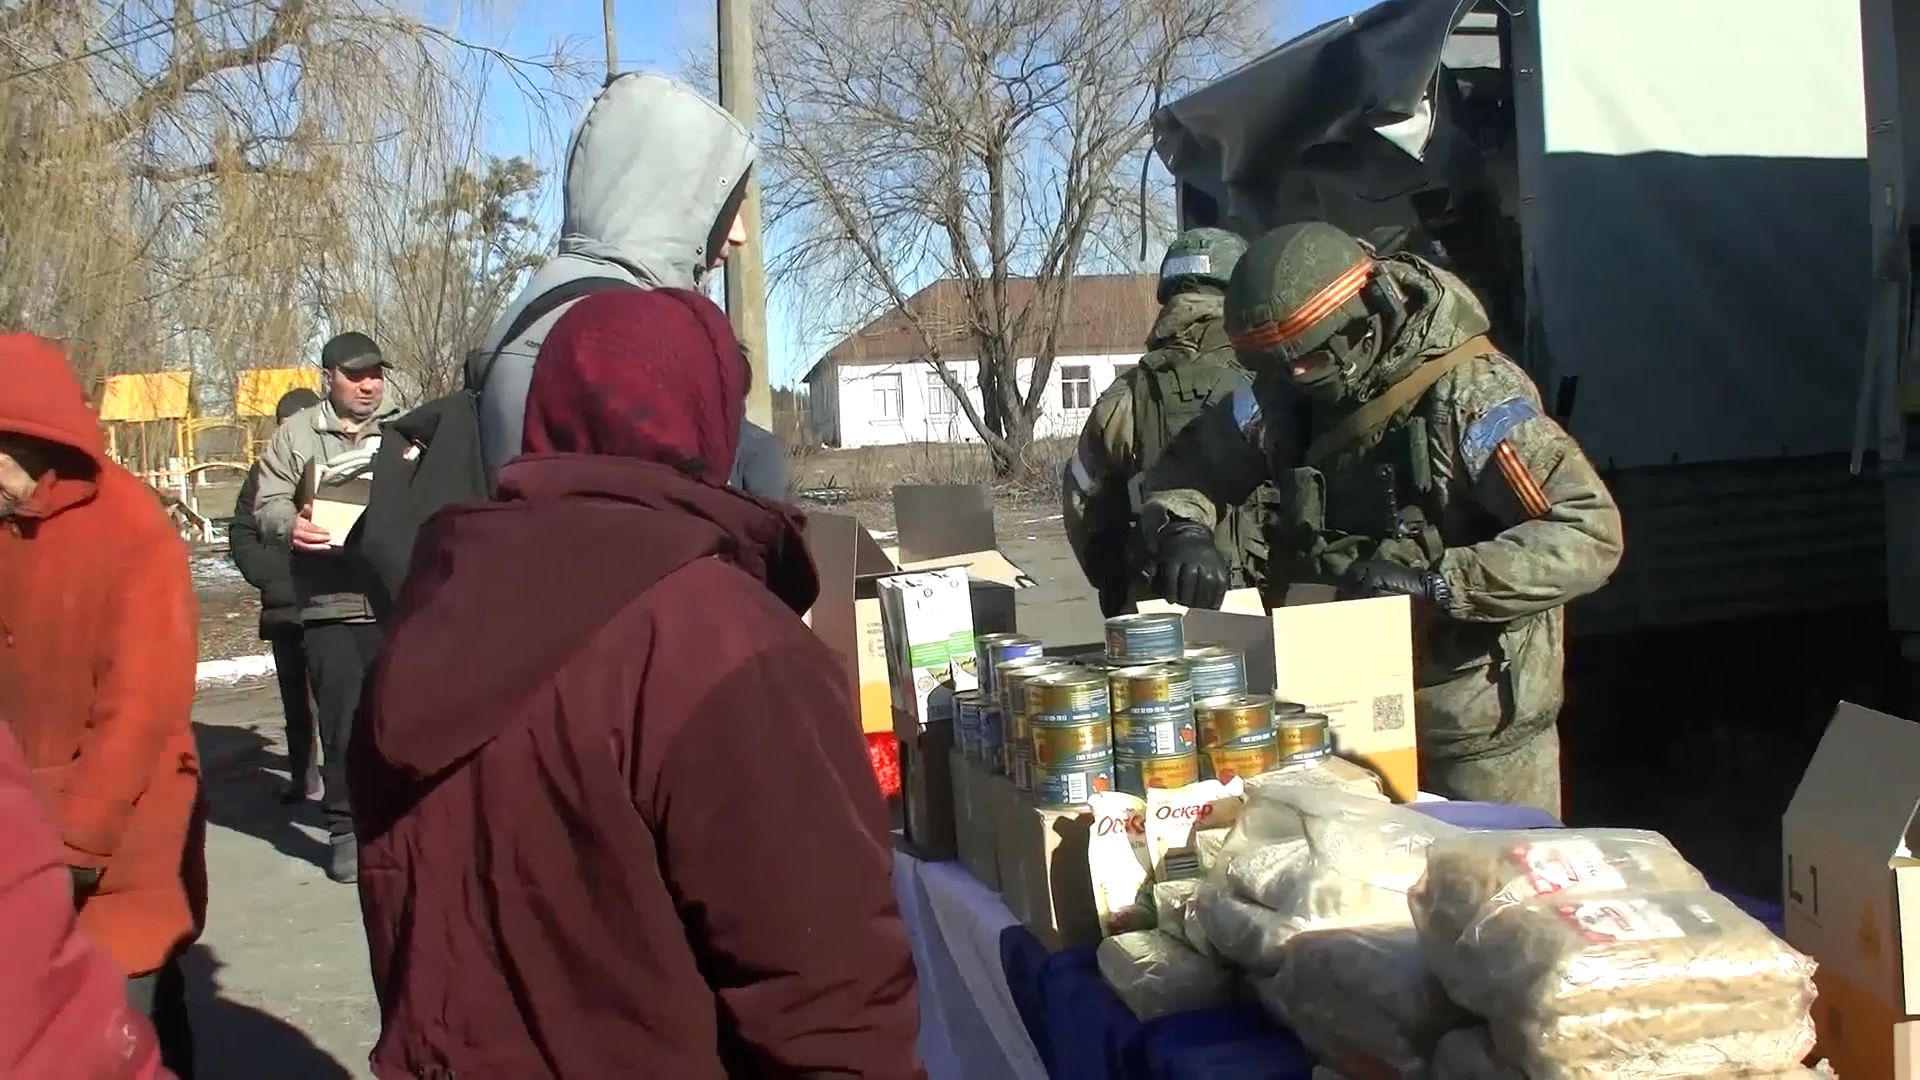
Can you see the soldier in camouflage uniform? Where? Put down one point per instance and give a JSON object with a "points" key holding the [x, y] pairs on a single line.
{"points": [[1411, 458], [1189, 365]]}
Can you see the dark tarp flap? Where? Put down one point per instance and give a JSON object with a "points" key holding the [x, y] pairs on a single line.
{"points": [[1357, 100]]}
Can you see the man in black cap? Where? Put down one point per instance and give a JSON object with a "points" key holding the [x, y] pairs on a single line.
{"points": [[336, 440], [269, 568]]}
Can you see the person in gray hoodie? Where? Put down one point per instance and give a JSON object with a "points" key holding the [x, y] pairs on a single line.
{"points": [[655, 177]]}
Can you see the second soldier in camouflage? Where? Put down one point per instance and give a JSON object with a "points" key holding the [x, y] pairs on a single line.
{"points": [[1189, 365], [1411, 457]]}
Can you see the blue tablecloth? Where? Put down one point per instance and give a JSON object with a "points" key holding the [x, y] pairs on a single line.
{"points": [[1083, 1032]]}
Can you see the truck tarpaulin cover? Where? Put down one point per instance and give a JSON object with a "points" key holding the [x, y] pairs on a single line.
{"points": [[1689, 179]]}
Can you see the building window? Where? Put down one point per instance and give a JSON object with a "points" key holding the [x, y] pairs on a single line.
{"points": [[1076, 387], [888, 403], [940, 400]]}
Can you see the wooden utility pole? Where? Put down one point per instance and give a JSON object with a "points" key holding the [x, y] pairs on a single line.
{"points": [[606, 30], [746, 266]]}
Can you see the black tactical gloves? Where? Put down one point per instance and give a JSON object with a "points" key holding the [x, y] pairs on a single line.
{"points": [[1189, 570], [1379, 577], [85, 880]]}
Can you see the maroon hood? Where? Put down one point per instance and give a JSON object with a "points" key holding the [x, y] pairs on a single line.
{"points": [[501, 594]]}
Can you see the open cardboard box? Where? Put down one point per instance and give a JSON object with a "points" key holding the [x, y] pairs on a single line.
{"points": [[1349, 659], [1851, 893], [940, 526]]}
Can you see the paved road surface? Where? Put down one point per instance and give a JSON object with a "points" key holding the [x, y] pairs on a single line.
{"points": [[279, 985]]}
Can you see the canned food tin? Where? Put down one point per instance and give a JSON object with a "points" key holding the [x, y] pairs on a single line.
{"points": [[1020, 766], [967, 709], [992, 650], [1158, 735], [1070, 696], [1140, 638], [1216, 671], [1234, 719], [1066, 746], [993, 739], [1149, 689], [1008, 678], [1072, 785], [1302, 735], [1135, 775], [1243, 759]]}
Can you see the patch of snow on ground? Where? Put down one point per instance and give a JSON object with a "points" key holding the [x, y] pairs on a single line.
{"points": [[214, 570], [236, 669]]}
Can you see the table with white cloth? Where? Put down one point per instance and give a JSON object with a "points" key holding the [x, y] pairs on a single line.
{"points": [[970, 1028]]}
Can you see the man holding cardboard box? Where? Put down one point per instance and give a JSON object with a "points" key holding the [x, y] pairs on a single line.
{"points": [[1412, 458], [327, 450]]}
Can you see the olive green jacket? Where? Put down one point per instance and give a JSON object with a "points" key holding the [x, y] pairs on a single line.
{"points": [[1191, 359], [1479, 484]]}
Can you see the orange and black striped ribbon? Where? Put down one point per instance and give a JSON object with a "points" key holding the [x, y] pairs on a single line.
{"points": [[1532, 499], [1318, 306]]}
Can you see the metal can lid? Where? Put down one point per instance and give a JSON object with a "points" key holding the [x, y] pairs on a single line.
{"points": [[1154, 670], [1234, 701], [1292, 710], [1070, 675]]}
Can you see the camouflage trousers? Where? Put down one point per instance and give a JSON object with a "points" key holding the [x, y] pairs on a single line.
{"points": [[1527, 775]]}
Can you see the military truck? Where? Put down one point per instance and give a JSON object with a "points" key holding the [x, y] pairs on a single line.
{"points": [[1666, 209]]}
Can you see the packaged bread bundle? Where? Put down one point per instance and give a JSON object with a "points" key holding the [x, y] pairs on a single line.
{"points": [[1156, 974], [1324, 857], [1362, 999], [1467, 1054], [1238, 930], [1472, 870], [1173, 913], [1593, 984]]}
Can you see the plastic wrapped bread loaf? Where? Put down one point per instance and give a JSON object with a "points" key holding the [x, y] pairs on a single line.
{"points": [[1173, 914], [1238, 930], [1468, 1054], [1773, 1051], [1469, 871], [1598, 981], [1362, 999], [1155, 974], [1324, 857]]}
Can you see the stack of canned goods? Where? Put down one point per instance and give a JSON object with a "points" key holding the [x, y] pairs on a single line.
{"points": [[1069, 735], [987, 741], [1249, 734]]}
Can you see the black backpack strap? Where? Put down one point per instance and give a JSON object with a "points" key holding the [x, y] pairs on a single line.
{"points": [[541, 306]]}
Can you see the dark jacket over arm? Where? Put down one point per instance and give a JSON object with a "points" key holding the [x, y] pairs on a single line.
{"points": [[760, 465], [264, 563]]}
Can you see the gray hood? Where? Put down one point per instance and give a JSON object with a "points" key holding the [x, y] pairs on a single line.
{"points": [[650, 170]]}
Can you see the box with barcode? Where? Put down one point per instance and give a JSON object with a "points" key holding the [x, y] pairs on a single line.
{"points": [[1352, 660]]}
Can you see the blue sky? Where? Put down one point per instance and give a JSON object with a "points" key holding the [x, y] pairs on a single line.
{"points": [[656, 34]]}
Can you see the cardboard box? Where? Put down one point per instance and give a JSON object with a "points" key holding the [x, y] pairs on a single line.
{"points": [[926, 793], [974, 820], [1349, 659], [1851, 894], [940, 526], [1044, 876], [927, 621]]}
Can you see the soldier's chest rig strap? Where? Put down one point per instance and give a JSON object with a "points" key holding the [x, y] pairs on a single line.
{"points": [[1346, 502]]}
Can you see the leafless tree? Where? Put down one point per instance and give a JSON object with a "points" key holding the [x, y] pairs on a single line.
{"points": [[202, 183], [996, 142]]}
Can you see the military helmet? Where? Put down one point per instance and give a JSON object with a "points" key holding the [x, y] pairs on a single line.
{"points": [[1200, 255], [1297, 286]]}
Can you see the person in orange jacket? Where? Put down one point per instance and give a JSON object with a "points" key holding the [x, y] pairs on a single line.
{"points": [[98, 627], [63, 1004]]}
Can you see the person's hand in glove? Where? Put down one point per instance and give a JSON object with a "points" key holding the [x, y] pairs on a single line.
{"points": [[1381, 577], [1189, 570], [85, 879]]}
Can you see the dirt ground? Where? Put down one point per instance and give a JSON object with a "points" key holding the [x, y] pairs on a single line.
{"points": [[1700, 733]]}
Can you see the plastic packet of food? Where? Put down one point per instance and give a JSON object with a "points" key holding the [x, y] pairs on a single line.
{"points": [[1242, 932], [1156, 974], [1619, 977], [1362, 999], [1469, 872], [1468, 1054], [1321, 857], [1176, 815], [1118, 861], [1773, 1049]]}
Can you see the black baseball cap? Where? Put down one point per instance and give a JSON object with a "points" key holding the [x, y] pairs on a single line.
{"points": [[351, 351]]}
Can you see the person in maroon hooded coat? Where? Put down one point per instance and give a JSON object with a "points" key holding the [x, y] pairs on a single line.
{"points": [[615, 812]]}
